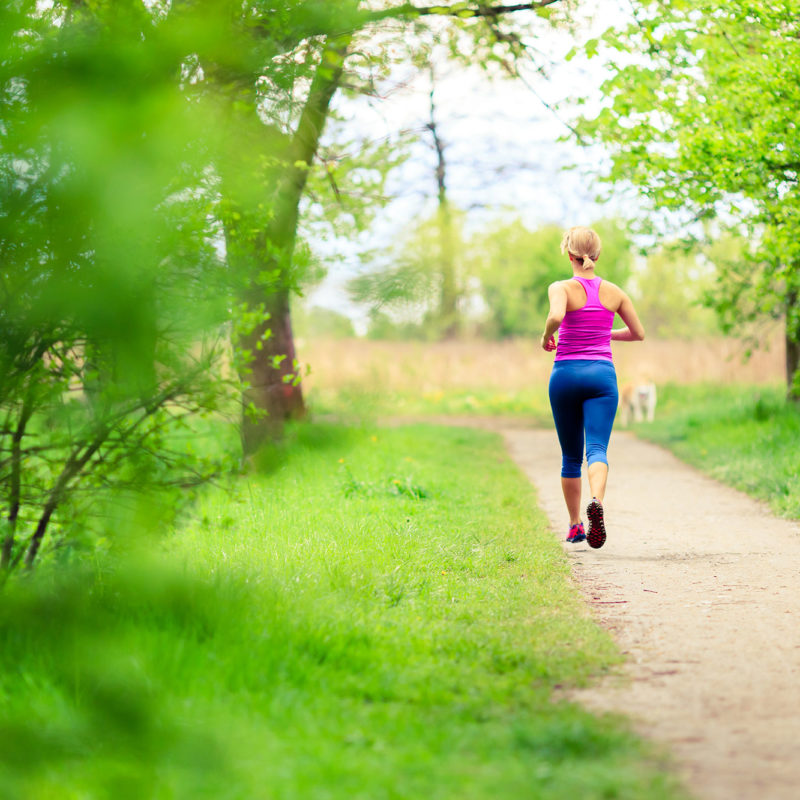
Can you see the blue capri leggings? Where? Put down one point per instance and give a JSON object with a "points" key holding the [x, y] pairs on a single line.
{"points": [[583, 396]]}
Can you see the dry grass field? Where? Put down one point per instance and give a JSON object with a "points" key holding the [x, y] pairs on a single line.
{"points": [[435, 369]]}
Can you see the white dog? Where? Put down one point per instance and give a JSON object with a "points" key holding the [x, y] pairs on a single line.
{"points": [[637, 401]]}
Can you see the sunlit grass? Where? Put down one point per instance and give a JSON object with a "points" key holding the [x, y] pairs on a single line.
{"points": [[746, 436], [373, 614]]}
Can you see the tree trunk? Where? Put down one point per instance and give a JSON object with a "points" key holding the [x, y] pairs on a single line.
{"points": [[448, 303], [792, 365], [275, 392], [448, 291], [15, 484], [16, 465], [792, 347]]}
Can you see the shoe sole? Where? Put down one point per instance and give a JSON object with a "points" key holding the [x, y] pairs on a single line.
{"points": [[581, 538], [597, 529]]}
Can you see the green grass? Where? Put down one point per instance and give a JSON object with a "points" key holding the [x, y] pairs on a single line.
{"points": [[745, 436], [374, 614]]}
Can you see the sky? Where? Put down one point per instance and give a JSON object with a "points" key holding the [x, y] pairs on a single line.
{"points": [[506, 148]]}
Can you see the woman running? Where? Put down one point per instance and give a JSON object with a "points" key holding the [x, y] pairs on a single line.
{"points": [[583, 383]]}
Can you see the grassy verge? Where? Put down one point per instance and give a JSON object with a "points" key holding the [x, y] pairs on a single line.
{"points": [[375, 614], [748, 437]]}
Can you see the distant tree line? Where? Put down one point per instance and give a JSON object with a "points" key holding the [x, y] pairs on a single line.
{"points": [[501, 274]]}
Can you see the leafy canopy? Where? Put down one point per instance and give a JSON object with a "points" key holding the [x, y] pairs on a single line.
{"points": [[700, 119]]}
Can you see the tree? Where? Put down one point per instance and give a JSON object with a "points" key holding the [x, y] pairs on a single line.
{"points": [[448, 285], [407, 280], [668, 289], [111, 291], [700, 125], [422, 272], [308, 53]]}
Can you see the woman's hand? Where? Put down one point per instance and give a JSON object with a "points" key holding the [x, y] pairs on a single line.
{"points": [[548, 343]]}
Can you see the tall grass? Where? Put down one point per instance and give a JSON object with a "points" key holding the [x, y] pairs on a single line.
{"points": [[374, 614], [508, 378], [746, 436]]}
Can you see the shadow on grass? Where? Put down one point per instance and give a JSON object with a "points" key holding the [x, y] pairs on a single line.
{"points": [[304, 436]]}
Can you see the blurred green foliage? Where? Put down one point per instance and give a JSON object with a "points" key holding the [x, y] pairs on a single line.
{"points": [[316, 321], [503, 272], [516, 265], [669, 287], [113, 294]]}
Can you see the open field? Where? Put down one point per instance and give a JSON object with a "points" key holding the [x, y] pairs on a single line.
{"points": [[504, 377], [717, 410], [359, 620]]}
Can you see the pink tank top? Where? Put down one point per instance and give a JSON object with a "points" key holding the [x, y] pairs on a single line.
{"points": [[586, 332]]}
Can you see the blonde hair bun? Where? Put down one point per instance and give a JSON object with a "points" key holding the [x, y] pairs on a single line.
{"points": [[582, 243]]}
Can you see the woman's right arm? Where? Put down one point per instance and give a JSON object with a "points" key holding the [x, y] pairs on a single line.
{"points": [[558, 308], [634, 332]]}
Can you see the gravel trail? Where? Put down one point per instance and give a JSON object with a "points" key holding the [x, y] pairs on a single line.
{"points": [[699, 586]]}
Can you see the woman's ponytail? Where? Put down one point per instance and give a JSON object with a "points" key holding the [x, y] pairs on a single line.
{"points": [[583, 244]]}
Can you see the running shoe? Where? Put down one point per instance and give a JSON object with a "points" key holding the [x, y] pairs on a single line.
{"points": [[576, 533], [597, 529]]}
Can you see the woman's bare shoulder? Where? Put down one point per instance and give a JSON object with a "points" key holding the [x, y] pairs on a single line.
{"points": [[611, 295], [612, 288]]}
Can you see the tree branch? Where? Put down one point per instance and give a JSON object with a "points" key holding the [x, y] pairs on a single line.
{"points": [[16, 477], [790, 166], [460, 10], [324, 85], [80, 457], [72, 468]]}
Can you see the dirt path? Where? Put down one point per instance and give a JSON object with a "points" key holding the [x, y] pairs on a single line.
{"points": [[699, 586]]}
